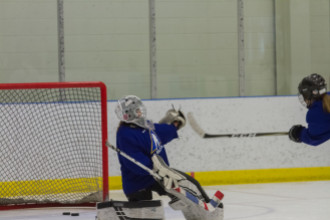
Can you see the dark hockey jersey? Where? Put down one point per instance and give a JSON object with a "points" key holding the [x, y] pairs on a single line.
{"points": [[141, 144], [318, 121]]}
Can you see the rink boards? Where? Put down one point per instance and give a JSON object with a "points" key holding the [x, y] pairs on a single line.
{"points": [[234, 160]]}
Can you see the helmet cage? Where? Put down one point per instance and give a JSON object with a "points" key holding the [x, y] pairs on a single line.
{"points": [[130, 109]]}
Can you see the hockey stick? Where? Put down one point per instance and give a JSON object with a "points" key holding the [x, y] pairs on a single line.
{"points": [[194, 125], [150, 171], [179, 189]]}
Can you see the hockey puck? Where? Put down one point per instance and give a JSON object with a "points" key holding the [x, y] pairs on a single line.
{"points": [[66, 213], [74, 214]]}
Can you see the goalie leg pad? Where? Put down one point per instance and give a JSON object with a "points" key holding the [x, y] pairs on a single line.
{"points": [[141, 210], [191, 189], [216, 199], [194, 209], [198, 213], [177, 204], [188, 197], [174, 179]]}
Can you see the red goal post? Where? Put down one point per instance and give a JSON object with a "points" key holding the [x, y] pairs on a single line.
{"points": [[52, 144]]}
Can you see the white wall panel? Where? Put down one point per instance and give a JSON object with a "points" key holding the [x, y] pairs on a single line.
{"points": [[233, 115]]}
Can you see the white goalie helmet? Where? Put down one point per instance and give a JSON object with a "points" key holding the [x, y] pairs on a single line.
{"points": [[130, 109]]}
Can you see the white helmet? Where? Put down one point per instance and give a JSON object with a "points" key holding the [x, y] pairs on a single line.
{"points": [[130, 109]]}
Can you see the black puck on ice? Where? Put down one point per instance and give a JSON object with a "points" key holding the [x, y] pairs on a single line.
{"points": [[66, 213], [74, 214]]}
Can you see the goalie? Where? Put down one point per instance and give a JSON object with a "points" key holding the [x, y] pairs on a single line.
{"points": [[144, 141]]}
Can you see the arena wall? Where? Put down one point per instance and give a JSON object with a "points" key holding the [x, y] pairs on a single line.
{"points": [[236, 160]]}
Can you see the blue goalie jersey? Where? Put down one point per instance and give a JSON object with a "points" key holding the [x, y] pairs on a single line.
{"points": [[141, 144]]}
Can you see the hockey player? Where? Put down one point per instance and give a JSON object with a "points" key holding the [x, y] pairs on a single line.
{"points": [[313, 95], [144, 141], [140, 139]]}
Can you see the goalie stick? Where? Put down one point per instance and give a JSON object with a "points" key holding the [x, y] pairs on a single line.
{"points": [[150, 171], [191, 197], [194, 125]]}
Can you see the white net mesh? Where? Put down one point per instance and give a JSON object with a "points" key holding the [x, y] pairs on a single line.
{"points": [[51, 146]]}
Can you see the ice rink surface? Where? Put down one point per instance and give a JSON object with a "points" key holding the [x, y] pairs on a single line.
{"points": [[273, 201]]}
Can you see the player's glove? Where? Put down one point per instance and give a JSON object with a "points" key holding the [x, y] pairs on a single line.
{"points": [[175, 117], [294, 133]]}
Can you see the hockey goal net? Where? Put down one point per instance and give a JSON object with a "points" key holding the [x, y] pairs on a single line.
{"points": [[52, 144]]}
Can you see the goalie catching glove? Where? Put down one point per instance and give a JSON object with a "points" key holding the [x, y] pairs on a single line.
{"points": [[174, 116]]}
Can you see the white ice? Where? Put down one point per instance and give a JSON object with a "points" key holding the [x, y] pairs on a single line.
{"points": [[273, 201]]}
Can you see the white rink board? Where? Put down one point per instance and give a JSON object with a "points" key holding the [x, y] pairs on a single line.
{"points": [[232, 115]]}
